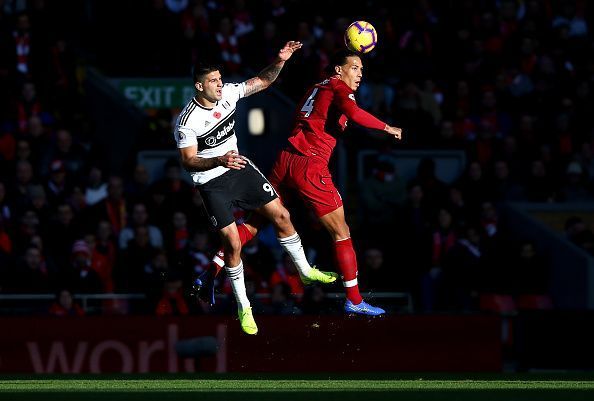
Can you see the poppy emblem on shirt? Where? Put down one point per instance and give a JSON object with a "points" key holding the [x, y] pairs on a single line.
{"points": [[216, 114]]}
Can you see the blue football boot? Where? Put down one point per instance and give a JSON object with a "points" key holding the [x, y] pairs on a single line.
{"points": [[363, 309], [204, 286]]}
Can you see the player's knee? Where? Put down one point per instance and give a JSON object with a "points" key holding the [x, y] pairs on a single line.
{"points": [[341, 232], [283, 218]]}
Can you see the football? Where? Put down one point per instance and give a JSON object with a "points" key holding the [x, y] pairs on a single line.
{"points": [[360, 37]]}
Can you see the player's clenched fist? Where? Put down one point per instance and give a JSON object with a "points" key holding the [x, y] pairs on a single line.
{"points": [[394, 131], [232, 160]]}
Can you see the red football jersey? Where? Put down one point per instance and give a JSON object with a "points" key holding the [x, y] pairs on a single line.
{"points": [[323, 114]]}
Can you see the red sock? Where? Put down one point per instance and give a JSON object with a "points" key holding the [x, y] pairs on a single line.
{"points": [[347, 264], [245, 235]]}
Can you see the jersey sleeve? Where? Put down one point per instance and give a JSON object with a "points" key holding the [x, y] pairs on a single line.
{"points": [[184, 136], [234, 91], [346, 103]]}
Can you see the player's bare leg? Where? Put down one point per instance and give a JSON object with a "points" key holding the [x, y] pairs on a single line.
{"points": [[346, 260], [234, 268], [291, 243]]}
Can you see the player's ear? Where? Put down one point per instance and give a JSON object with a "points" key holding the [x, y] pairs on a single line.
{"points": [[198, 86], [338, 69]]}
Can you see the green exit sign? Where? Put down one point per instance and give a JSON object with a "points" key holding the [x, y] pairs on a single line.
{"points": [[156, 93]]}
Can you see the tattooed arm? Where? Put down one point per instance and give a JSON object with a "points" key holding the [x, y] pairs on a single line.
{"points": [[193, 163], [267, 76]]}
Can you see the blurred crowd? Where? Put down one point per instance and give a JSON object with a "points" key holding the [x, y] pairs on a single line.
{"points": [[509, 82]]}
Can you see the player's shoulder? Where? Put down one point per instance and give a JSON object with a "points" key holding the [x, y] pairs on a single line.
{"points": [[191, 113], [338, 84], [232, 85], [231, 89]]}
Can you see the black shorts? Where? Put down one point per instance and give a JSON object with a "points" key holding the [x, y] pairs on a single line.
{"points": [[247, 189]]}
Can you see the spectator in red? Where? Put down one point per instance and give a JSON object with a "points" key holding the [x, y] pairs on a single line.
{"points": [[288, 274], [5, 244], [111, 209], [27, 106], [242, 20], [172, 302], [7, 147], [62, 73], [105, 242], [177, 238], [101, 264], [443, 238], [64, 305], [228, 46], [5, 241]]}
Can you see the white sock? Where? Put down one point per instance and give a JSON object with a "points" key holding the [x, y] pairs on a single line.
{"points": [[235, 275], [292, 245]]}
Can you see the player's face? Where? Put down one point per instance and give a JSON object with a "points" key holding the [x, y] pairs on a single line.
{"points": [[211, 86], [351, 72]]}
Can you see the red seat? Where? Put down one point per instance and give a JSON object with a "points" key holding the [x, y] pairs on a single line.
{"points": [[534, 302], [500, 303]]}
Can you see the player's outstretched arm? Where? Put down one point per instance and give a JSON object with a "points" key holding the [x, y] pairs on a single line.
{"points": [[269, 74], [346, 103]]}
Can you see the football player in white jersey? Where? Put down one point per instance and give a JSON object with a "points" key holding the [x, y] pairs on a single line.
{"points": [[205, 136]]}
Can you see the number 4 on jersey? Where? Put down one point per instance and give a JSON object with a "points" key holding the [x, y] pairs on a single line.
{"points": [[308, 105]]}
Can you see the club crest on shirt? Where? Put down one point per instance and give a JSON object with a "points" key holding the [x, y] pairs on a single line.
{"points": [[216, 114]]}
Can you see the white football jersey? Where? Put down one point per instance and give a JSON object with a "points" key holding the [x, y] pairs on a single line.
{"points": [[212, 130]]}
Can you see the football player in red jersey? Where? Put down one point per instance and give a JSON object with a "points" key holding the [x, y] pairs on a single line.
{"points": [[303, 165]]}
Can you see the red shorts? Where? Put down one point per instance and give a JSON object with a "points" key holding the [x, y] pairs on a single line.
{"points": [[309, 177]]}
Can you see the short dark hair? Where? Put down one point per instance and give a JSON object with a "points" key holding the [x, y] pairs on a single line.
{"points": [[201, 69], [340, 58]]}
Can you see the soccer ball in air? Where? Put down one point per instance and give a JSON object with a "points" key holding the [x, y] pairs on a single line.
{"points": [[360, 37]]}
